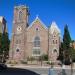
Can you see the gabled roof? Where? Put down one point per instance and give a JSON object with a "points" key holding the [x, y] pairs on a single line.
{"points": [[54, 28], [37, 19]]}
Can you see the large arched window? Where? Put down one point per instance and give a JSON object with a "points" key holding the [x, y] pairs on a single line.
{"points": [[36, 47], [20, 15], [37, 42]]}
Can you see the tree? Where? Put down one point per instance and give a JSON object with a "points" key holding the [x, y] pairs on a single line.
{"points": [[66, 38], [66, 45], [5, 45], [44, 57], [0, 41], [72, 54], [72, 51], [0, 46], [60, 57]]}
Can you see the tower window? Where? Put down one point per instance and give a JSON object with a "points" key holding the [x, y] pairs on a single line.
{"points": [[18, 41], [56, 41], [54, 36], [55, 50], [20, 15], [17, 50], [53, 42]]}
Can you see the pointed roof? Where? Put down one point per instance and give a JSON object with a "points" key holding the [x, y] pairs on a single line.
{"points": [[54, 28], [37, 19]]}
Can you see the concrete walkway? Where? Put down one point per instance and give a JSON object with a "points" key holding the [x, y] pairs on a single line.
{"points": [[36, 66]]}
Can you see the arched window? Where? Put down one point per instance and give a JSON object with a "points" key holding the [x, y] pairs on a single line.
{"points": [[37, 42], [56, 41], [20, 15], [53, 42], [17, 50], [55, 51], [36, 48]]}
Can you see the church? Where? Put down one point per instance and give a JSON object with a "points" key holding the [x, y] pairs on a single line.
{"points": [[33, 40]]}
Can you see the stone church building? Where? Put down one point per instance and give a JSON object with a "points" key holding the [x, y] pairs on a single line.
{"points": [[32, 40]]}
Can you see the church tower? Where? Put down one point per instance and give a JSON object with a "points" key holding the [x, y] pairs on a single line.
{"points": [[19, 33], [54, 42]]}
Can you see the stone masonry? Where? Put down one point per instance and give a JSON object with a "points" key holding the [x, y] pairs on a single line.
{"points": [[32, 40]]}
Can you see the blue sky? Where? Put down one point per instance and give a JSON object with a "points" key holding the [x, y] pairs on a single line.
{"points": [[60, 11]]}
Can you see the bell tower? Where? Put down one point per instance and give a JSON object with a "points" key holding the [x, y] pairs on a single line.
{"points": [[54, 42], [19, 35]]}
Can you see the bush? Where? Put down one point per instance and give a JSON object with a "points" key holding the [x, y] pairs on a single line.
{"points": [[24, 62], [44, 57], [48, 62], [12, 62], [30, 59]]}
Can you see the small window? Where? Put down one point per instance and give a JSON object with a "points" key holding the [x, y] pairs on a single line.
{"points": [[36, 29], [53, 42], [54, 36], [55, 50], [18, 41], [17, 50], [20, 15], [56, 41]]}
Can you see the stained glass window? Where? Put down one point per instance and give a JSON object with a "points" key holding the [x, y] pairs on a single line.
{"points": [[37, 42]]}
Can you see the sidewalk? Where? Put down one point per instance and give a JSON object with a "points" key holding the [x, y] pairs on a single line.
{"points": [[36, 66]]}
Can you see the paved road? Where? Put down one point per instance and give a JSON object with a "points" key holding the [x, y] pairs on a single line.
{"points": [[15, 71], [47, 71], [36, 70]]}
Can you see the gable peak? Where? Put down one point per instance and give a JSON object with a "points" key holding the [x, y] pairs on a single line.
{"points": [[37, 19], [54, 28]]}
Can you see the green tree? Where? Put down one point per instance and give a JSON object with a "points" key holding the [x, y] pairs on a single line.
{"points": [[60, 57], [44, 57], [72, 51], [66, 38], [0, 41], [72, 54], [5, 45], [66, 45], [0, 47]]}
